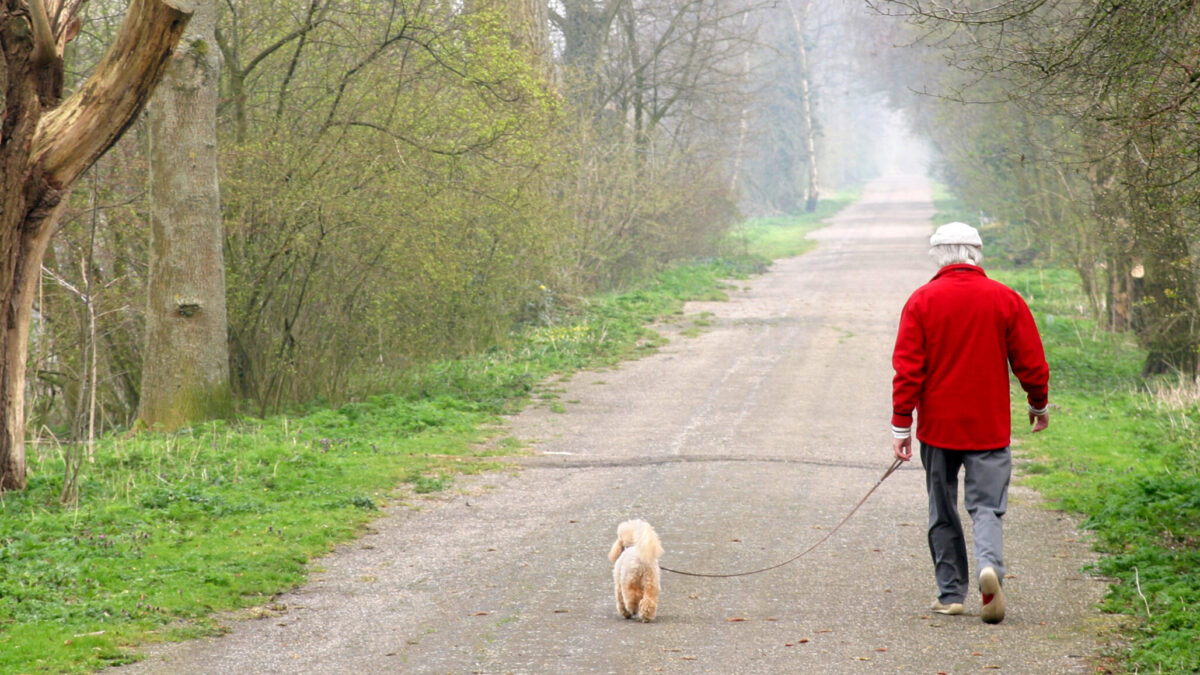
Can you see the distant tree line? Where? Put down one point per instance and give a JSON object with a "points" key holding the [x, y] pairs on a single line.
{"points": [[1077, 122]]}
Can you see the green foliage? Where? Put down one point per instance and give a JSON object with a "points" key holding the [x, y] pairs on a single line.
{"points": [[398, 186], [407, 219], [1126, 457], [171, 528]]}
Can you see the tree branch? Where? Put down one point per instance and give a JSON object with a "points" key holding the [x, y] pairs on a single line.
{"points": [[72, 136], [43, 40]]}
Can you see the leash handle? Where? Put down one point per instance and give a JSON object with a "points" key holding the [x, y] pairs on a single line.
{"points": [[892, 469]]}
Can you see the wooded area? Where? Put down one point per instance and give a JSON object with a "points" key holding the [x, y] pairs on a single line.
{"points": [[1078, 123], [394, 182], [345, 190]]}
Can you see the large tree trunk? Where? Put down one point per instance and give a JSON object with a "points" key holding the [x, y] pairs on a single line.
{"points": [[44, 149], [185, 372]]}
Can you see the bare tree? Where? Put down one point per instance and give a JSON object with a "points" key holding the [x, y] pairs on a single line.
{"points": [[46, 145], [808, 126]]}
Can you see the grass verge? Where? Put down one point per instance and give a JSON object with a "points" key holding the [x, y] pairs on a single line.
{"points": [[1123, 455], [775, 237], [167, 530]]}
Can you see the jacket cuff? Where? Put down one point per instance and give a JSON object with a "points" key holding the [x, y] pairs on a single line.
{"points": [[901, 432], [901, 420]]}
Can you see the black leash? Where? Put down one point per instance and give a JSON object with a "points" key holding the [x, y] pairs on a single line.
{"points": [[895, 465]]}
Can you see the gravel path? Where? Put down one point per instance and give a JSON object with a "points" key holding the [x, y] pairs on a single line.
{"points": [[742, 446]]}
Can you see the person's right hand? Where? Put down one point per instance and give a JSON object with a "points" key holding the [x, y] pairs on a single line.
{"points": [[902, 448], [1039, 422]]}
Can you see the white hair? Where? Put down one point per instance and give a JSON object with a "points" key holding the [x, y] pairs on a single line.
{"points": [[951, 254]]}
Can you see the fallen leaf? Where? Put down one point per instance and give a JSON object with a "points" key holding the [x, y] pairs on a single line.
{"points": [[561, 611], [881, 649], [976, 653], [481, 613], [687, 658], [825, 630], [737, 618], [803, 641], [863, 658]]}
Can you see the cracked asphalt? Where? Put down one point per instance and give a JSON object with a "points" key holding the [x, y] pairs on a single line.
{"points": [[742, 446]]}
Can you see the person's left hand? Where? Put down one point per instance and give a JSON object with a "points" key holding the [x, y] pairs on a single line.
{"points": [[1039, 422], [902, 448]]}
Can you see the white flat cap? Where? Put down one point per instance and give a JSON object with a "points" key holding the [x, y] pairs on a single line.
{"points": [[956, 233]]}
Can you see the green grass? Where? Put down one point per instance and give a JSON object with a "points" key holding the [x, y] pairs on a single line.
{"points": [[774, 237], [1127, 461], [169, 529], [172, 528]]}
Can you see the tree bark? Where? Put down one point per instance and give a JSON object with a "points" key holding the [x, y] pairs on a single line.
{"points": [[185, 372], [43, 150]]}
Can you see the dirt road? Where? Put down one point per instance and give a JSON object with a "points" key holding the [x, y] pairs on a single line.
{"points": [[742, 446]]}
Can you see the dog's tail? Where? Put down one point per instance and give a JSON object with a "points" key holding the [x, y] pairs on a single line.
{"points": [[648, 545]]}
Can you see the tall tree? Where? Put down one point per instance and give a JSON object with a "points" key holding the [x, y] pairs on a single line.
{"points": [[808, 128], [46, 145], [185, 372]]}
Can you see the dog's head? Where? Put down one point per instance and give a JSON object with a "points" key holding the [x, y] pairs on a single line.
{"points": [[626, 535]]}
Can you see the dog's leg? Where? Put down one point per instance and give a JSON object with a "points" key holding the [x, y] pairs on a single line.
{"points": [[648, 606], [624, 609], [633, 598]]}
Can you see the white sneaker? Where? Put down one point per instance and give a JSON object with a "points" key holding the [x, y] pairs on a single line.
{"points": [[953, 609], [993, 596]]}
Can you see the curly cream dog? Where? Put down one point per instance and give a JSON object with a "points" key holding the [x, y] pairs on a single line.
{"points": [[635, 572]]}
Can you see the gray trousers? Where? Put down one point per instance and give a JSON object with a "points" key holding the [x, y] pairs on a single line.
{"points": [[985, 494]]}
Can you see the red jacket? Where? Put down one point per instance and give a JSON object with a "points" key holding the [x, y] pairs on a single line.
{"points": [[958, 335]]}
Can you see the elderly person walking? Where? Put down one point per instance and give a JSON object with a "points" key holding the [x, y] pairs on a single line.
{"points": [[958, 335]]}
